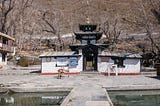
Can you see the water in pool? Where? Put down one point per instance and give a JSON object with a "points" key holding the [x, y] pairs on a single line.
{"points": [[135, 98], [32, 99]]}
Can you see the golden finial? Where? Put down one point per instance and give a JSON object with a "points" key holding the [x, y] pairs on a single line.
{"points": [[88, 20]]}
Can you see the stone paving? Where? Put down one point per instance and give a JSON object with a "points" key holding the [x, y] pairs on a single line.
{"points": [[88, 88]]}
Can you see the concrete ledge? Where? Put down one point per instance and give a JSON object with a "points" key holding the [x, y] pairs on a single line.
{"points": [[68, 98], [108, 97], [39, 89], [133, 88], [114, 74]]}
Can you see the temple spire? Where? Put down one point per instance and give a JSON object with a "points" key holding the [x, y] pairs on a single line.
{"points": [[88, 20]]}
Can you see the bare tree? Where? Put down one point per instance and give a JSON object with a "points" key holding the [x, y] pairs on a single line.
{"points": [[12, 18], [6, 7], [54, 26], [147, 22], [21, 20], [112, 32], [156, 9], [155, 48]]}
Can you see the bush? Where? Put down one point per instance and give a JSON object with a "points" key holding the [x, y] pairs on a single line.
{"points": [[26, 61], [23, 61]]}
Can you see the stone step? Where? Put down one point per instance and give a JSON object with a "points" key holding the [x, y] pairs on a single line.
{"points": [[97, 103], [88, 94], [90, 72], [149, 73]]}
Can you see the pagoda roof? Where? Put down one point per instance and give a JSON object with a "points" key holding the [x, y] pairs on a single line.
{"points": [[86, 24], [57, 54], [88, 35], [87, 27], [81, 46], [7, 36], [121, 55]]}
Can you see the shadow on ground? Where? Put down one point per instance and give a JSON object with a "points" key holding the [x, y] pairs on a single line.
{"points": [[155, 77], [38, 71]]}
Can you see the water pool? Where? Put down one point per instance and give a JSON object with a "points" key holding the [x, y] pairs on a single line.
{"points": [[32, 99], [135, 98]]}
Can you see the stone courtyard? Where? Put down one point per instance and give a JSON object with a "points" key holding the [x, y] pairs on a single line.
{"points": [[86, 88]]}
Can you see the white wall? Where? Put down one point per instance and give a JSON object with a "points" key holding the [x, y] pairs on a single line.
{"points": [[0, 57], [131, 66], [50, 67], [103, 66]]}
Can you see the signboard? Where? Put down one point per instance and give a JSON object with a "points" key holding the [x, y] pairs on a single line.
{"points": [[62, 61], [73, 61]]}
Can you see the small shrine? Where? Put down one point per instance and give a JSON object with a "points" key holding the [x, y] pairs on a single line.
{"points": [[89, 48], [89, 56]]}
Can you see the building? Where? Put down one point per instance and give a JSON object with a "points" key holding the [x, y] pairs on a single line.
{"points": [[6, 46], [69, 61], [89, 56], [119, 63]]}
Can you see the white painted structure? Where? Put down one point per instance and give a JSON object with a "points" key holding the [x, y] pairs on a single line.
{"points": [[129, 64], [88, 56], [52, 62]]}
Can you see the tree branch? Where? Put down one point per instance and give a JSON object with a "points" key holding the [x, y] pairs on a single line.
{"points": [[50, 25]]}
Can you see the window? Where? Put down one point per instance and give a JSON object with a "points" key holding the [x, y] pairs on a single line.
{"points": [[93, 41], [119, 62], [84, 41], [5, 41]]}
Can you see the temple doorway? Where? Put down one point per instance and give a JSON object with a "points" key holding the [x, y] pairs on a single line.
{"points": [[90, 58], [89, 63]]}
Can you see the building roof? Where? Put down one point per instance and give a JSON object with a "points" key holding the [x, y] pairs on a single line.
{"points": [[56, 54], [6, 36], [121, 55], [88, 35], [80, 46], [87, 27]]}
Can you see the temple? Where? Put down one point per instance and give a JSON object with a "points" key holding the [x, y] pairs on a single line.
{"points": [[89, 56], [88, 36]]}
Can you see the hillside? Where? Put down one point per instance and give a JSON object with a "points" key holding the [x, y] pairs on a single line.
{"points": [[34, 23], [72, 12], [65, 16]]}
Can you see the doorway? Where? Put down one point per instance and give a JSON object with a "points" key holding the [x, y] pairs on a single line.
{"points": [[90, 54], [3, 57], [90, 62]]}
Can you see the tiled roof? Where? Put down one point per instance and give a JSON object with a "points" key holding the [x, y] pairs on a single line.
{"points": [[7, 36], [128, 55]]}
